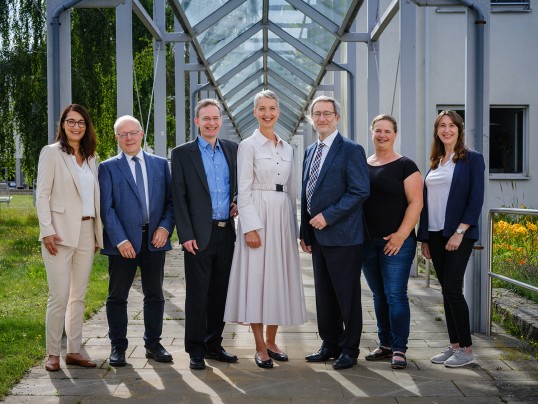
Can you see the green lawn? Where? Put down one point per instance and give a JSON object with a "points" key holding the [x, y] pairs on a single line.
{"points": [[23, 291]]}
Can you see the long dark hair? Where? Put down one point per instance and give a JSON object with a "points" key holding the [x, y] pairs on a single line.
{"points": [[438, 148], [88, 143]]}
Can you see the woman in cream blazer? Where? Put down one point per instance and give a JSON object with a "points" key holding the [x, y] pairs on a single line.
{"points": [[70, 230]]}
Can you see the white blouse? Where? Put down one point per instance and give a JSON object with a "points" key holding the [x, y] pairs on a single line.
{"points": [[87, 184], [438, 182]]}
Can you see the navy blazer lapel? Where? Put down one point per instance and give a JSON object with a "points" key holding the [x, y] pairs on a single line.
{"points": [[457, 172], [308, 161], [197, 163], [123, 165], [333, 151], [152, 185]]}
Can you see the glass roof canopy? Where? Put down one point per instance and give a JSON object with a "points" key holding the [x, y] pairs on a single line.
{"points": [[250, 45]]}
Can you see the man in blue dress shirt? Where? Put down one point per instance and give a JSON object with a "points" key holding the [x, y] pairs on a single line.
{"points": [[204, 188]]}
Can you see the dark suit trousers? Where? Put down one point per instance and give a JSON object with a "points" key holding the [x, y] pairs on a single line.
{"points": [[122, 272], [337, 274], [206, 276]]}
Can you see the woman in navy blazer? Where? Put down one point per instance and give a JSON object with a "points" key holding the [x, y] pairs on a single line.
{"points": [[453, 198]]}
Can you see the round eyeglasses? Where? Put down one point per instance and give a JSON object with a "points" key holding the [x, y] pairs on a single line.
{"points": [[71, 123]]}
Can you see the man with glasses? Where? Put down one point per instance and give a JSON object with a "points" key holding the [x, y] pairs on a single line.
{"points": [[138, 218], [204, 188], [336, 182]]}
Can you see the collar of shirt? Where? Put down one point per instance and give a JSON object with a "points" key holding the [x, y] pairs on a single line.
{"points": [[140, 156], [329, 140], [262, 140], [205, 145]]}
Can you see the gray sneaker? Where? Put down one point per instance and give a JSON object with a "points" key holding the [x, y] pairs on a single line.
{"points": [[443, 356], [460, 358]]}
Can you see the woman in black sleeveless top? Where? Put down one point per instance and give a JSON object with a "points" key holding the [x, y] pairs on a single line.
{"points": [[391, 213]]}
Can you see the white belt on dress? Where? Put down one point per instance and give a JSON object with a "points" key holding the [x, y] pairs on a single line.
{"points": [[270, 187]]}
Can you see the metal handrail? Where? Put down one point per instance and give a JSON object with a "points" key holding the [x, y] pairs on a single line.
{"points": [[491, 275]]}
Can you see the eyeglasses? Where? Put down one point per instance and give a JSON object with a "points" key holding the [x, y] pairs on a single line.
{"points": [[71, 123], [207, 119], [134, 133], [326, 114]]}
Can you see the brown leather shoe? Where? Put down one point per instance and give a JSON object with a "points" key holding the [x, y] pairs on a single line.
{"points": [[85, 363], [52, 367]]}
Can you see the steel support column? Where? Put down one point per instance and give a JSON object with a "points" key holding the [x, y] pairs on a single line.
{"points": [[408, 79], [159, 89], [124, 59]]}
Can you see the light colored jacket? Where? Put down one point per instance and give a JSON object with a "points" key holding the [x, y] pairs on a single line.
{"points": [[59, 200]]}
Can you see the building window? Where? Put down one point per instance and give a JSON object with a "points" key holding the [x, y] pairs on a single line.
{"points": [[508, 133]]}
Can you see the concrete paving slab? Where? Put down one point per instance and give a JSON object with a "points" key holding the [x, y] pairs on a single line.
{"points": [[504, 370]]}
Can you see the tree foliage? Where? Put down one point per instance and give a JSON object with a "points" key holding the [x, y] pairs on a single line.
{"points": [[23, 88], [23, 77]]}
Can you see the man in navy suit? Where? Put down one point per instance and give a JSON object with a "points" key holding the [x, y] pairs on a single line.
{"points": [[336, 182], [204, 189], [138, 218]]}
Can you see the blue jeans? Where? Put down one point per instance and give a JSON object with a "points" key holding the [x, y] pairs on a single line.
{"points": [[387, 278]]}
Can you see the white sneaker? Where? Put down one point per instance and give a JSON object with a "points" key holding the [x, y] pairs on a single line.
{"points": [[460, 358], [443, 356]]}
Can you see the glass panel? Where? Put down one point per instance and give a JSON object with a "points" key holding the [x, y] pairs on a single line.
{"points": [[293, 108], [293, 56], [282, 131], [197, 10], [334, 10], [236, 56], [280, 88], [239, 107], [245, 90], [283, 72], [242, 113], [224, 65], [230, 27], [302, 27]]}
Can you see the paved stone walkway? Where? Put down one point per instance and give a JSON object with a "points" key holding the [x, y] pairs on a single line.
{"points": [[504, 370]]}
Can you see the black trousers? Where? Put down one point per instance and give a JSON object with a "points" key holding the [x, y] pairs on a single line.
{"points": [[122, 272], [206, 277], [337, 279], [450, 269]]}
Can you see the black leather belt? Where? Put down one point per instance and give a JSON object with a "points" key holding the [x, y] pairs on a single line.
{"points": [[220, 223], [279, 187], [144, 227]]}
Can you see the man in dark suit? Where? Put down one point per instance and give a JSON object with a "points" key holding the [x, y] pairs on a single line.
{"points": [[335, 185], [138, 218], [204, 189]]}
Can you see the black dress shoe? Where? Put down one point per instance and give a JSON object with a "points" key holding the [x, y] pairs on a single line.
{"points": [[158, 353], [197, 362], [322, 355], [278, 356], [117, 357], [268, 364], [222, 356], [344, 361], [379, 353]]}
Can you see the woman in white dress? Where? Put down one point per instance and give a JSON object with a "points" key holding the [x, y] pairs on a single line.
{"points": [[265, 281]]}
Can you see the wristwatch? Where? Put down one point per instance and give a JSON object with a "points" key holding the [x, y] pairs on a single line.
{"points": [[460, 231]]}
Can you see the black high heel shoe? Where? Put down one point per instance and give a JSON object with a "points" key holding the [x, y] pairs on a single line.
{"points": [[278, 356], [268, 364]]}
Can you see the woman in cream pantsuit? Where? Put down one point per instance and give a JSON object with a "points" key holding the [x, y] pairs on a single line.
{"points": [[70, 229]]}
